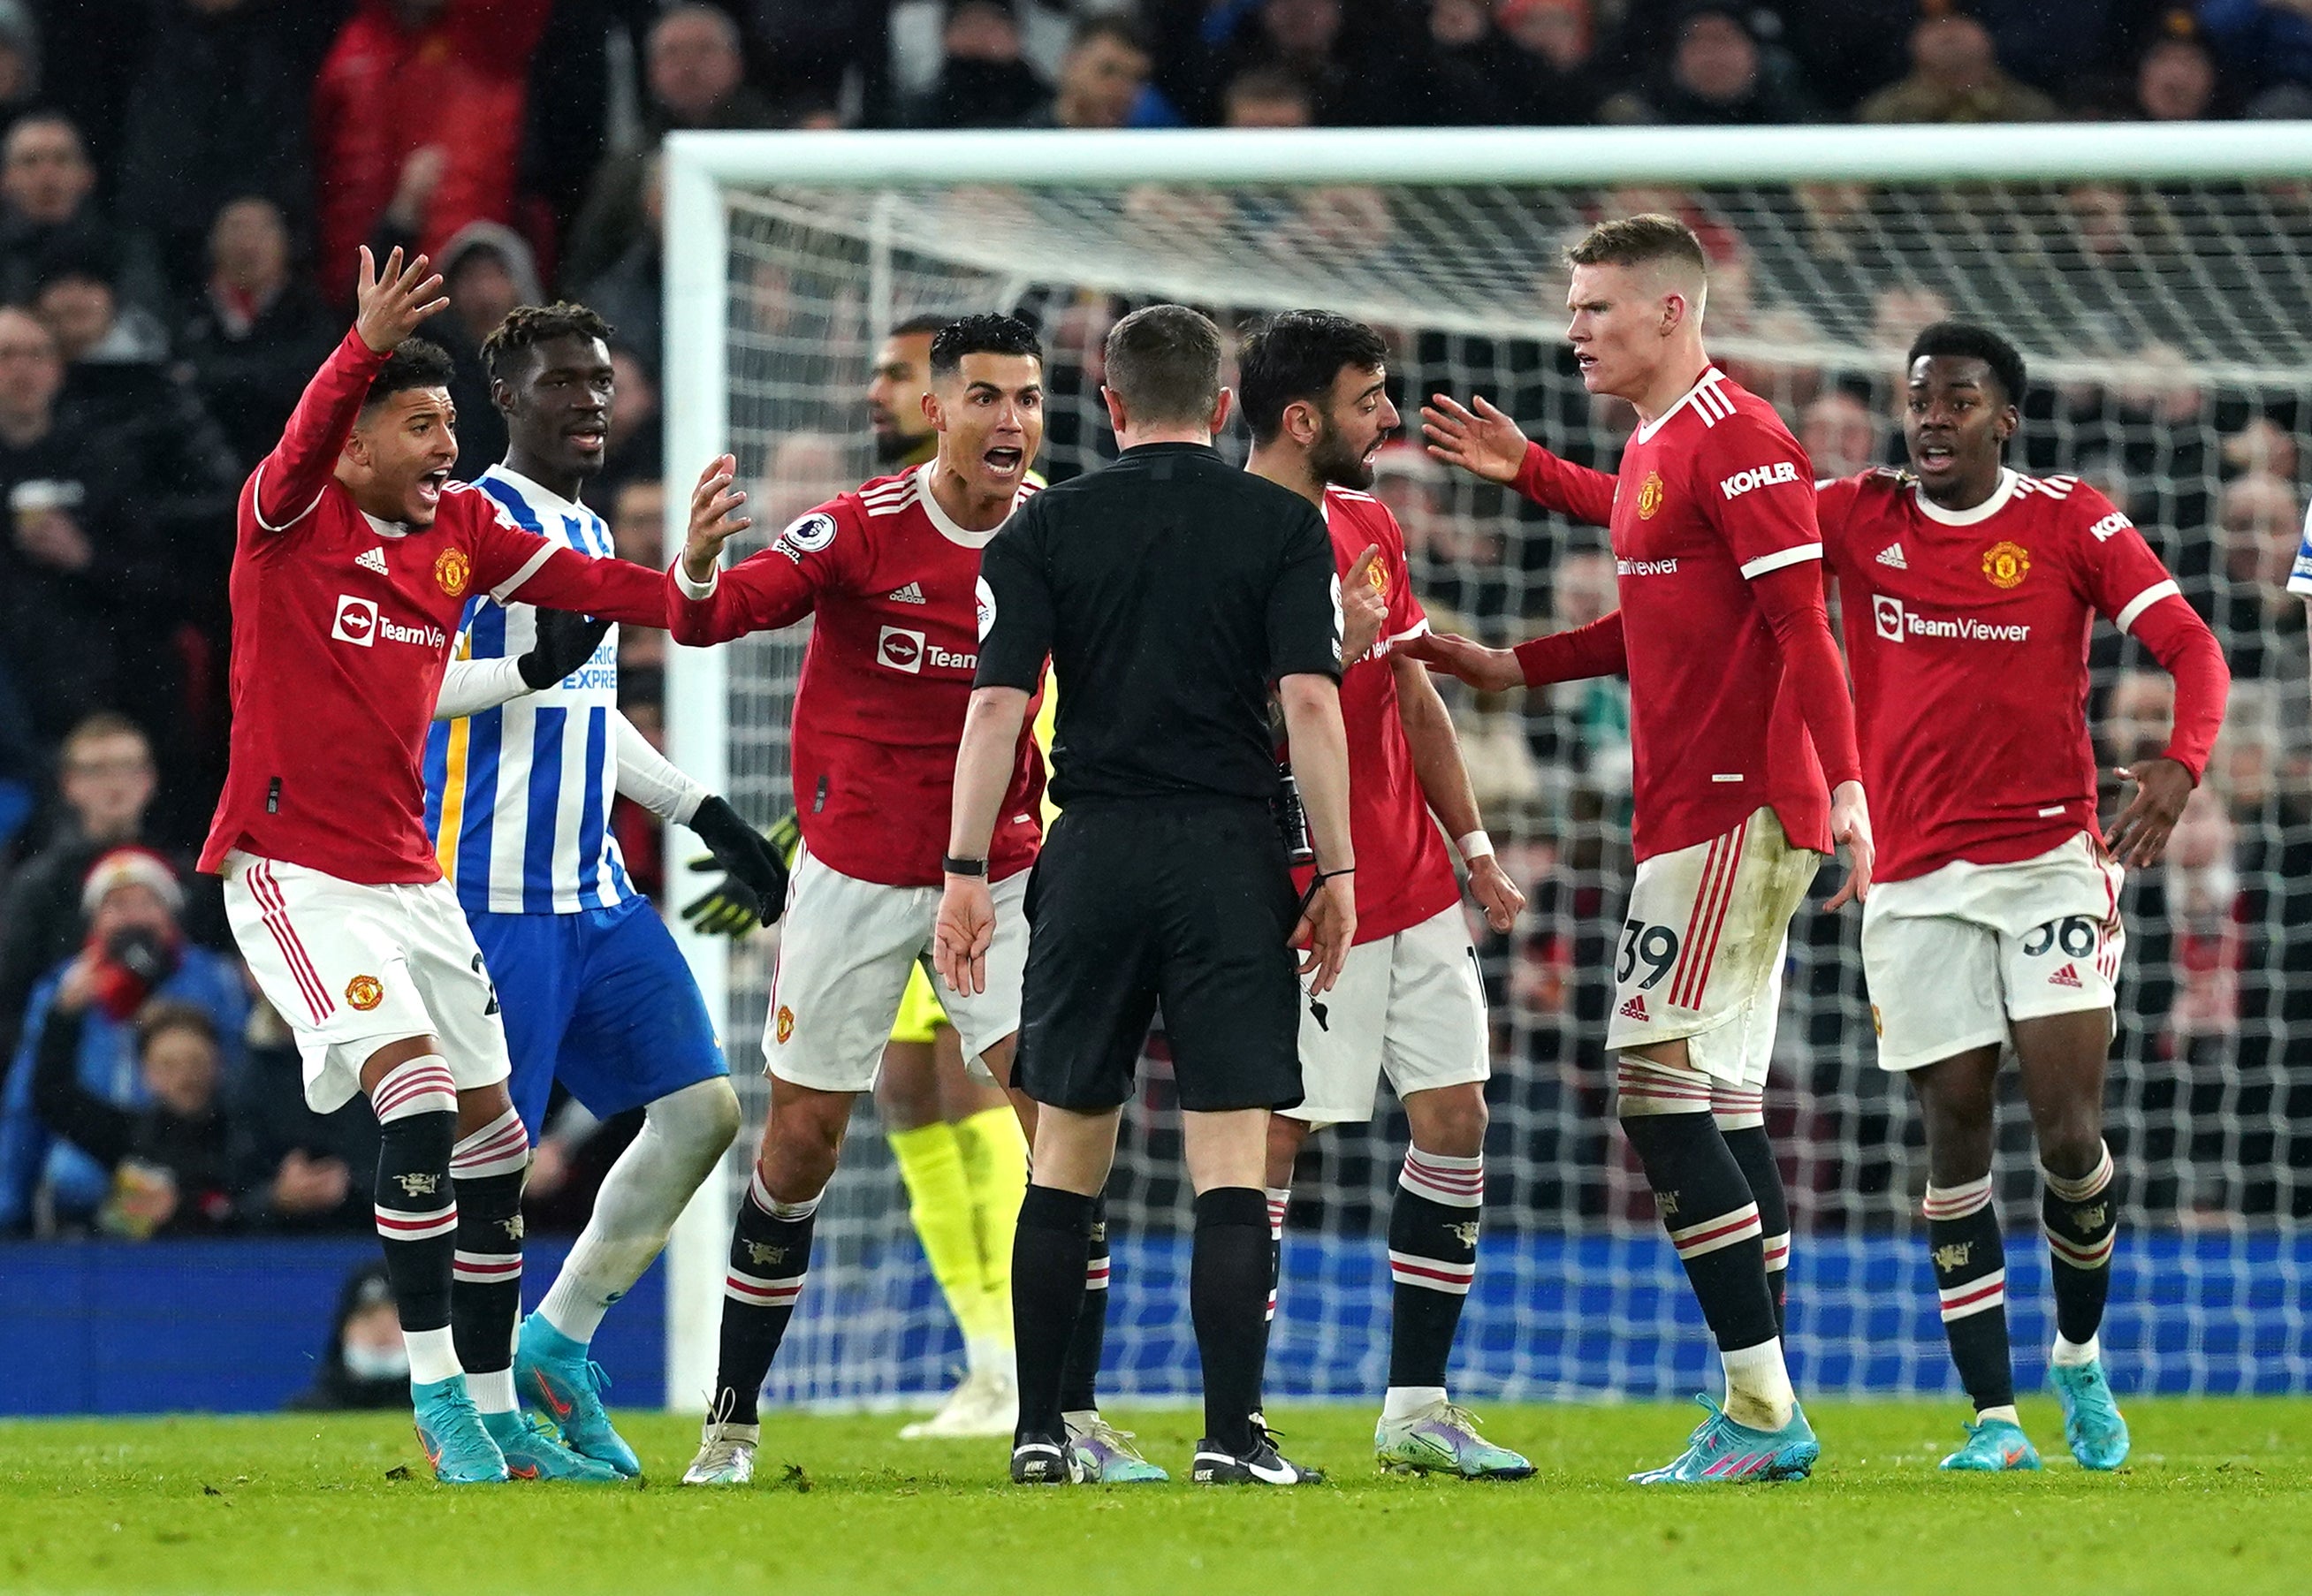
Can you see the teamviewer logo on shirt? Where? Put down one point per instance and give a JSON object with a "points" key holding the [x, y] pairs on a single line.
{"points": [[901, 649], [356, 621]]}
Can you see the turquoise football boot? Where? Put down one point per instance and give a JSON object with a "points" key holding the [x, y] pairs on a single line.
{"points": [[556, 1376], [1104, 1455], [452, 1433], [1443, 1439], [2091, 1422], [1721, 1452], [531, 1453], [1993, 1446]]}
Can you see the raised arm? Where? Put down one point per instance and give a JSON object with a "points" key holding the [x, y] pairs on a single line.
{"points": [[1482, 440], [774, 588], [393, 305]]}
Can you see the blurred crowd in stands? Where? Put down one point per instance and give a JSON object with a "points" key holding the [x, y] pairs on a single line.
{"points": [[183, 184]]}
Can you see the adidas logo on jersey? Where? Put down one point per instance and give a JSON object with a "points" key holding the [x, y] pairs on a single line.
{"points": [[1635, 1009], [2068, 976], [1892, 556], [371, 560], [913, 593]]}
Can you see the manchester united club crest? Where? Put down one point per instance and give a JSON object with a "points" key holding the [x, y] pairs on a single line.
{"points": [[364, 993], [452, 570], [785, 1024], [2006, 565], [1378, 578], [1650, 495]]}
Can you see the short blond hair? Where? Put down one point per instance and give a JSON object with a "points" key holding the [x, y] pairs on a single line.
{"points": [[1640, 241]]}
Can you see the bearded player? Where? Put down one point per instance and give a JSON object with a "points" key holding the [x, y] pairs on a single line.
{"points": [[1735, 684], [1971, 589], [354, 558], [955, 1138], [891, 572], [527, 753], [1409, 1003]]}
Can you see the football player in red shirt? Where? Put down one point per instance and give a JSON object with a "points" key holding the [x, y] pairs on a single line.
{"points": [[891, 574], [1735, 684], [1969, 592], [1410, 1001], [354, 557]]}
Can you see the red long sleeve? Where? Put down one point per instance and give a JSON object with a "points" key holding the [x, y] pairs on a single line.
{"points": [[2181, 641], [760, 593], [1594, 650], [615, 589], [1791, 599], [289, 479], [1576, 492]]}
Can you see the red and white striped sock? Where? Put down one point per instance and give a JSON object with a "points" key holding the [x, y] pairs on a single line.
{"points": [[770, 1252], [1432, 1260], [2081, 1219], [487, 1167], [1970, 1261], [1280, 1200]]}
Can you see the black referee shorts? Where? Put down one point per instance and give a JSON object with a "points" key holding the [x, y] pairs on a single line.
{"points": [[1187, 900]]}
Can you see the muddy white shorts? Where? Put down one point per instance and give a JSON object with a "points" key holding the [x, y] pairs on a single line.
{"points": [[352, 968], [845, 948], [1700, 950], [1954, 956], [1410, 1006]]}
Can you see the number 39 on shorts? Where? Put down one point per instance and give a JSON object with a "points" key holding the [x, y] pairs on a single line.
{"points": [[1655, 946]]}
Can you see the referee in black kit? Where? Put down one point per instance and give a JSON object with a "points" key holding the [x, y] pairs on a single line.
{"points": [[1173, 592]]}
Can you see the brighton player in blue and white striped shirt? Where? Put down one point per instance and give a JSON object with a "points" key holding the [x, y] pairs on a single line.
{"points": [[527, 754]]}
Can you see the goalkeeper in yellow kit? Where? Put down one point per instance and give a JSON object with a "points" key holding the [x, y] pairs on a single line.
{"points": [[956, 1137]]}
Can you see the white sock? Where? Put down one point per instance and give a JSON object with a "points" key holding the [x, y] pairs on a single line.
{"points": [[1403, 1401], [2073, 1355], [2006, 1413], [491, 1391], [1759, 1386], [990, 1358], [642, 1196], [1079, 1420], [432, 1355]]}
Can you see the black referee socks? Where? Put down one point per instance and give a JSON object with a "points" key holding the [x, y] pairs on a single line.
{"points": [[1228, 1298], [1049, 1252]]}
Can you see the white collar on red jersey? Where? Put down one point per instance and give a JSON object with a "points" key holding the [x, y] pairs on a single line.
{"points": [[1710, 377], [386, 528], [2007, 478], [940, 518]]}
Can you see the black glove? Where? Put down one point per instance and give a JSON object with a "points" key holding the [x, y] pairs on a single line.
{"points": [[730, 907], [755, 881], [565, 641]]}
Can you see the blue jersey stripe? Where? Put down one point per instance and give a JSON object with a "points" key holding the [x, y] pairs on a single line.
{"points": [[437, 773], [545, 808], [590, 813], [515, 505], [485, 735]]}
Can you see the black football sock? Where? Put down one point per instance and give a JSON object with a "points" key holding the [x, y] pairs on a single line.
{"points": [[416, 1208], [1087, 1343], [1713, 1221], [1970, 1263], [1741, 1120], [1432, 1260], [1051, 1248], [1228, 1295], [486, 1169], [770, 1253], [2081, 1218]]}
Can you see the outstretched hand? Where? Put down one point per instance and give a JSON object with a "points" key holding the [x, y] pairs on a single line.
{"points": [[1448, 653], [1479, 438], [2163, 786], [395, 303], [714, 519]]}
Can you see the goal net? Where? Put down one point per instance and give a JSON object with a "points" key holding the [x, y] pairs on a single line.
{"points": [[2157, 281]]}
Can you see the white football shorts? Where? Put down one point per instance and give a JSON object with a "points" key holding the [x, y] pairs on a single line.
{"points": [[1700, 950], [845, 948], [1954, 956], [1411, 1006], [352, 968]]}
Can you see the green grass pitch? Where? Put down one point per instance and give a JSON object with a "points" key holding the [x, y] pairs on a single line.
{"points": [[2218, 1498]]}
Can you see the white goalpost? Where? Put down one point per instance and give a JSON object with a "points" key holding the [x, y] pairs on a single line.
{"points": [[2159, 279]]}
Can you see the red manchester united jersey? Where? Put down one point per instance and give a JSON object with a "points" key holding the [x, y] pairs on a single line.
{"points": [[894, 584], [1404, 874], [341, 628], [1710, 495], [1968, 635]]}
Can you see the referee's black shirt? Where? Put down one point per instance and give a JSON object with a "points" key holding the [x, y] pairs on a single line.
{"points": [[1171, 590]]}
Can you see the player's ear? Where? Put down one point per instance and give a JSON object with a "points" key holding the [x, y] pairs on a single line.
{"points": [[1221, 407], [1116, 418], [502, 395], [933, 413]]}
